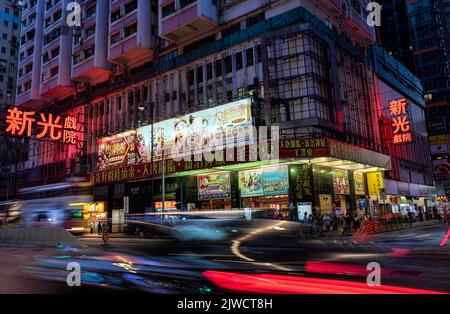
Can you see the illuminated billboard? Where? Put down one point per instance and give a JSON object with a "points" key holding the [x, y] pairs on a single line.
{"points": [[265, 181], [195, 130], [214, 186], [117, 150]]}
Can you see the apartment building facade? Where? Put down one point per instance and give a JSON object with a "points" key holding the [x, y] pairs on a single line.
{"points": [[418, 34], [10, 13], [312, 68]]}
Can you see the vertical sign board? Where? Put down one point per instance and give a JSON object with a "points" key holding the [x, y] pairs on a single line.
{"points": [[375, 183]]}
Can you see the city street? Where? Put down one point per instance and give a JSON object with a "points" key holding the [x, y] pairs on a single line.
{"points": [[411, 258]]}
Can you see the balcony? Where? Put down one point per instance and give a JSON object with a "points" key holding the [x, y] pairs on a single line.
{"points": [[90, 51], [131, 39], [183, 20], [345, 13]]}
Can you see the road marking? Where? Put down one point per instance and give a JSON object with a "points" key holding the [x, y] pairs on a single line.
{"points": [[423, 235]]}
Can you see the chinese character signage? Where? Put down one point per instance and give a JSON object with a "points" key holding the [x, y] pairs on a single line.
{"points": [[375, 183], [301, 181], [303, 148], [42, 125], [264, 181], [117, 150], [214, 186], [401, 127]]}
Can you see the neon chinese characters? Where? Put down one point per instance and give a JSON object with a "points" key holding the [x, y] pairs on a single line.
{"points": [[401, 126], [22, 123]]}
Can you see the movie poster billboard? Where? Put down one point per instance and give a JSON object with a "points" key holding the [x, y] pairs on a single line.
{"points": [[340, 181], [214, 186], [193, 131], [359, 183], [265, 181], [117, 150]]}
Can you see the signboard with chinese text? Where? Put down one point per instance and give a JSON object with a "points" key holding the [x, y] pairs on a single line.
{"points": [[303, 148], [401, 127], [214, 186], [375, 183], [42, 126]]}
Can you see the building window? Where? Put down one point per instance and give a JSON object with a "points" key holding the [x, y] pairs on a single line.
{"points": [[239, 61], [115, 15], [130, 30], [131, 6], [185, 3], [168, 9], [249, 56]]}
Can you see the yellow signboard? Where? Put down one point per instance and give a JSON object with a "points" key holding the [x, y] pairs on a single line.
{"points": [[375, 183], [438, 139]]}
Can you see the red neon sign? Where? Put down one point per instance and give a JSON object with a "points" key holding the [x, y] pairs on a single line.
{"points": [[21, 123], [400, 122]]}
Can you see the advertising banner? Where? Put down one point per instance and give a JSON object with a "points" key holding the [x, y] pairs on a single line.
{"points": [[340, 181], [117, 150], [194, 131], [359, 183], [441, 169], [214, 186], [326, 203], [264, 181]]}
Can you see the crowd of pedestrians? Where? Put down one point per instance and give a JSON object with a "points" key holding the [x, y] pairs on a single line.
{"points": [[324, 224]]}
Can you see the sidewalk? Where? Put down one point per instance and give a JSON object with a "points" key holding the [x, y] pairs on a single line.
{"points": [[379, 229]]}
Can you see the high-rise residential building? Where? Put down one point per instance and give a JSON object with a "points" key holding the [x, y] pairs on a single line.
{"points": [[9, 50], [417, 33], [10, 13], [351, 117]]}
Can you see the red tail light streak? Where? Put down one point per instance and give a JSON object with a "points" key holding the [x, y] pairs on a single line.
{"points": [[288, 284]]}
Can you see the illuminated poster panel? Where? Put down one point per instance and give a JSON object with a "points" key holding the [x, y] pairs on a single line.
{"points": [[195, 130], [117, 150], [340, 181], [359, 183], [214, 186], [265, 181]]}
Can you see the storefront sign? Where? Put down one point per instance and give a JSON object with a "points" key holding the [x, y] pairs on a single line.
{"points": [[340, 181], [302, 148], [43, 126], [438, 143], [128, 164], [401, 127], [117, 150], [265, 181], [214, 186], [359, 183], [195, 130], [375, 183]]}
